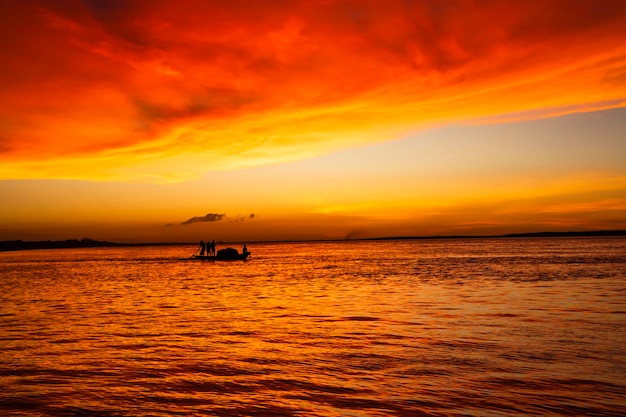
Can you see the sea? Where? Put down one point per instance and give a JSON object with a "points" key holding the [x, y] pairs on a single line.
{"points": [[442, 327]]}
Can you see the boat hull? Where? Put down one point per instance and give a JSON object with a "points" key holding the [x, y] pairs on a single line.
{"points": [[238, 257]]}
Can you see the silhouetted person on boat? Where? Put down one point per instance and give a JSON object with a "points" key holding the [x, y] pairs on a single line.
{"points": [[245, 248], [212, 247], [202, 247]]}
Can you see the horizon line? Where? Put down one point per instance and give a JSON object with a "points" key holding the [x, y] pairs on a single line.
{"points": [[87, 242]]}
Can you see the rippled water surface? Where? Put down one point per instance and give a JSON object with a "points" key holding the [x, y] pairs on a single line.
{"points": [[492, 327]]}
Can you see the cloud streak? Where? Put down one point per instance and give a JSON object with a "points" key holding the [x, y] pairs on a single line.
{"points": [[215, 217], [156, 90], [209, 217], [240, 218]]}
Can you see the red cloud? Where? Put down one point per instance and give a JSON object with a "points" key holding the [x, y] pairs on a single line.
{"points": [[136, 86]]}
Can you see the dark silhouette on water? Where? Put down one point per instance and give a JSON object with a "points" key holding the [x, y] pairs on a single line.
{"points": [[212, 248], [226, 254], [202, 247]]}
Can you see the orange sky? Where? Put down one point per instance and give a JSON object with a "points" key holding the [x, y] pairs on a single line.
{"points": [[118, 118]]}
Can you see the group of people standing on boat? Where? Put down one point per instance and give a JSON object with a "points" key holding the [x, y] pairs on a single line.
{"points": [[208, 247]]}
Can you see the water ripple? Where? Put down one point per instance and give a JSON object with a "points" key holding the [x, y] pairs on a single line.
{"points": [[436, 328]]}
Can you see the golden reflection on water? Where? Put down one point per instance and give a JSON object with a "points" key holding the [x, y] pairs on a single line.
{"points": [[350, 328]]}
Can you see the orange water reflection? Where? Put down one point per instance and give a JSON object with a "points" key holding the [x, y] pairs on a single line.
{"points": [[369, 328]]}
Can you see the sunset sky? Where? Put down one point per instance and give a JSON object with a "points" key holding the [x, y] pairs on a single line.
{"points": [[249, 120]]}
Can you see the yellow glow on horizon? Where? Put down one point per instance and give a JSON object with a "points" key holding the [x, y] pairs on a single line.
{"points": [[352, 119]]}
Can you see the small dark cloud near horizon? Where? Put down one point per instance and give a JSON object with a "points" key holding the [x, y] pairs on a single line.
{"points": [[216, 217], [355, 234], [210, 217], [241, 218]]}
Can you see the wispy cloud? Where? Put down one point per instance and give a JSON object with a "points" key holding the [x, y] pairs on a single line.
{"points": [[241, 218], [209, 217], [153, 90], [215, 217]]}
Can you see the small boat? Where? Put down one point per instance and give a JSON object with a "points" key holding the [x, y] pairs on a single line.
{"points": [[228, 254]]}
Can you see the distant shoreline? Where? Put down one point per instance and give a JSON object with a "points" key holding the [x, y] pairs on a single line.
{"points": [[595, 233], [17, 245]]}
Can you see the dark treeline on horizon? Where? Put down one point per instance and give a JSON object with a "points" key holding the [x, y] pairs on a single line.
{"points": [[14, 245], [11, 245], [596, 233]]}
